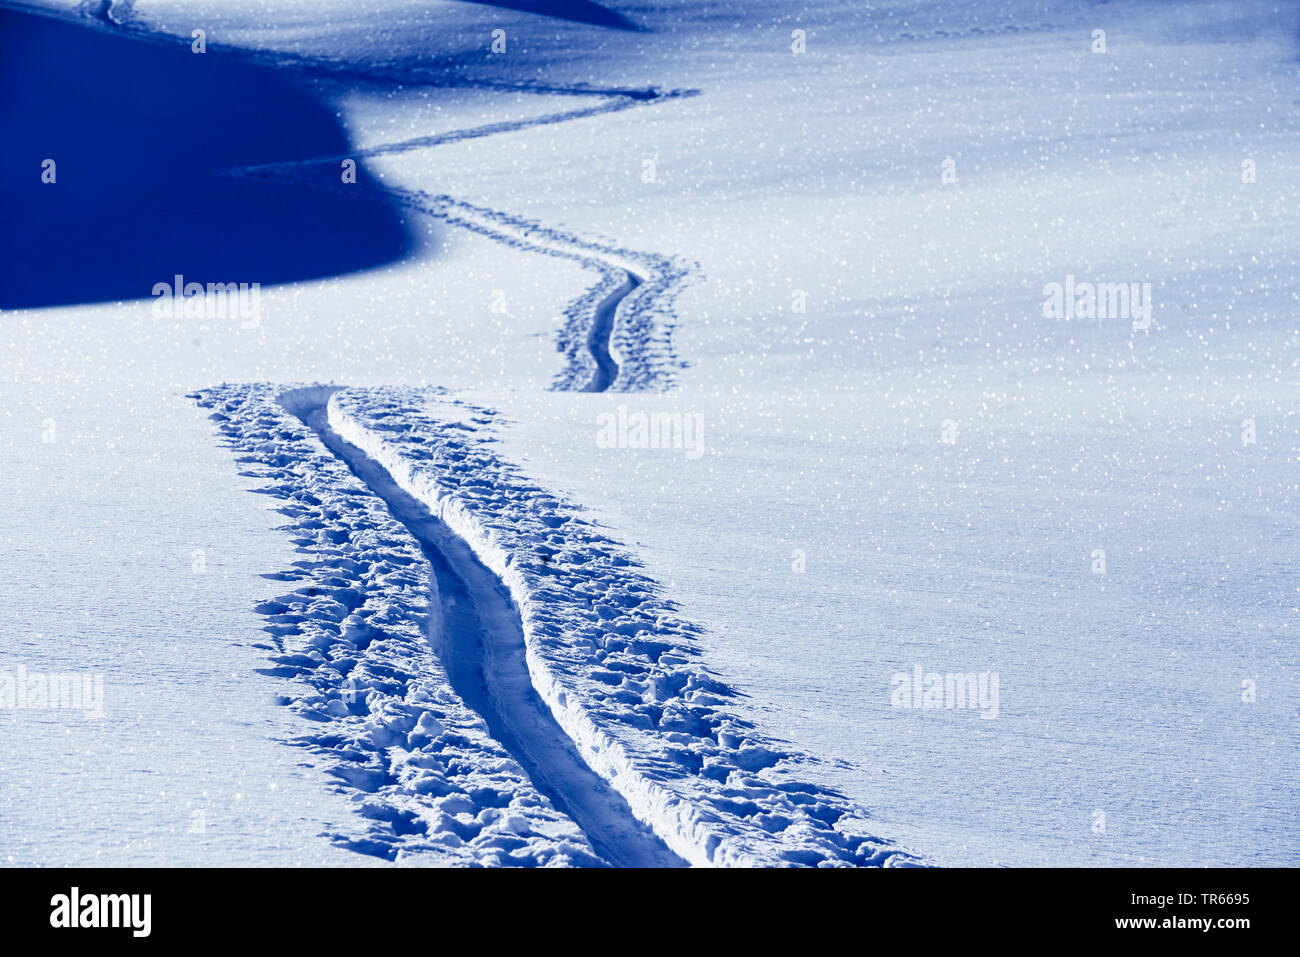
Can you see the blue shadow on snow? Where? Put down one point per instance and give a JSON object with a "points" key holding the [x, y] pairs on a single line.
{"points": [[143, 134], [576, 11]]}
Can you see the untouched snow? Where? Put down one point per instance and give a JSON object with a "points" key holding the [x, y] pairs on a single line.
{"points": [[832, 262]]}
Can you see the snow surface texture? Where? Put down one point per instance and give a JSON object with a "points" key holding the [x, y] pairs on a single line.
{"points": [[816, 173]]}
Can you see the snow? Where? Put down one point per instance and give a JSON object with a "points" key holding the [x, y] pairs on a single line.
{"points": [[424, 767], [833, 262], [608, 653]]}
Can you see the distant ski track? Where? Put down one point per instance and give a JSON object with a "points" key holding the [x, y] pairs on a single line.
{"points": [[615, 103], [618, 335], [605, 321], [116, 16], [603, 325]]}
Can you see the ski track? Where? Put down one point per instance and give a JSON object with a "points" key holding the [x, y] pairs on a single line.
{"points": [[118, 16], [476, 631], [617, 336], [614, 103], [428, 779], [608, 652], [490, 678], [601, 334]]}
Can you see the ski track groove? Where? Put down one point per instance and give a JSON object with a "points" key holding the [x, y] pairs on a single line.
{"points": [[617, 336]]}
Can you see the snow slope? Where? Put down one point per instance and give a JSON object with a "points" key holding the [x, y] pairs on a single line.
{"points": [[904, 462]]}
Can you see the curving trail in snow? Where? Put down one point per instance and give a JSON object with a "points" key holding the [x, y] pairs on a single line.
{"points": [[579, 671], [350, 644], [615, 102], [468, 650], [475, 630], [617, 335], [608, 652], [118, 16]]}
